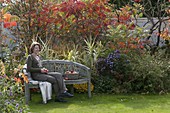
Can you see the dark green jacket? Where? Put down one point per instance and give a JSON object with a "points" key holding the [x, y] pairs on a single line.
{"points": [[34, 69], [33, 65]]}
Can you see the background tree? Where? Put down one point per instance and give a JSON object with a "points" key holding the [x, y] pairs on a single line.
{"points": [[157, 19]]}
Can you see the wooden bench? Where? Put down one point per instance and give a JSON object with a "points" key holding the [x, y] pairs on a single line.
{"points": [[62, 66]]}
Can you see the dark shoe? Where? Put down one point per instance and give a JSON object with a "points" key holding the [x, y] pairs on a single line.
{"points": [[66, 94], [60, 100], [50, 100]]}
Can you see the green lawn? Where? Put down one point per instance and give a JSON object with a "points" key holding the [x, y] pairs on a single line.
{"points": [[104, 103]]}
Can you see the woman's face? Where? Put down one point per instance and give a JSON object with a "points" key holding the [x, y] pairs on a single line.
{"points": [[36, 49]]}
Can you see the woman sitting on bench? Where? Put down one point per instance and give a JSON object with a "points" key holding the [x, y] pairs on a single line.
{"points": [[39, 73]]}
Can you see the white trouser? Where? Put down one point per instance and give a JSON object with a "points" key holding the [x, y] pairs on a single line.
{"points": [[46, 90]]}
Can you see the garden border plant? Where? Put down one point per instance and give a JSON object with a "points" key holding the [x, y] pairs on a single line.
{"points": [[70, 23], [11, 88]]}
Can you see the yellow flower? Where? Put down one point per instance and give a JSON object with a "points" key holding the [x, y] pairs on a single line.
{"points": [[83, 87], [2, 68], [24, 77]]}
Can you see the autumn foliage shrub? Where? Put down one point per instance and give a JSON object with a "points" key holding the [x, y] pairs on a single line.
{"points": [[71, 20]]}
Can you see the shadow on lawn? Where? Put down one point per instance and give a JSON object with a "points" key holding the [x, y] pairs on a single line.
{"points": [[132, 101]]}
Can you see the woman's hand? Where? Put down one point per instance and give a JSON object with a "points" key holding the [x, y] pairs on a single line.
{"points": [[44, 70]]}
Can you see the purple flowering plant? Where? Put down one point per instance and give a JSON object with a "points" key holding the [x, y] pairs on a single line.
{"points": [[116, 64], [114, 73]]}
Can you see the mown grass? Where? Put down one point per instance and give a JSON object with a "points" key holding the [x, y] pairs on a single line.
{"points": [[104, 103]]}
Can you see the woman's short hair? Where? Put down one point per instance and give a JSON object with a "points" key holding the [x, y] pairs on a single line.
{"points": [[33, 45]]}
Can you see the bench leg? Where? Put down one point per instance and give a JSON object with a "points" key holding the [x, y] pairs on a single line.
{"points": [[72, 89], [89, 89], [27, 93]]}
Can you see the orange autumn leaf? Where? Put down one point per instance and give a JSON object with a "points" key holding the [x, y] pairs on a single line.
{"points": [[13, 24], [18, 80], [15, 78], [122, 44], [9, 24], [7, 17], [1, 20], [141, 46], [133, 46], [6, 24]]}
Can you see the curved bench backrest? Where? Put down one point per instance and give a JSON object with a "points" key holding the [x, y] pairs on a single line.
{"points": [[64, 65], [82, 69], [57, 65]]}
